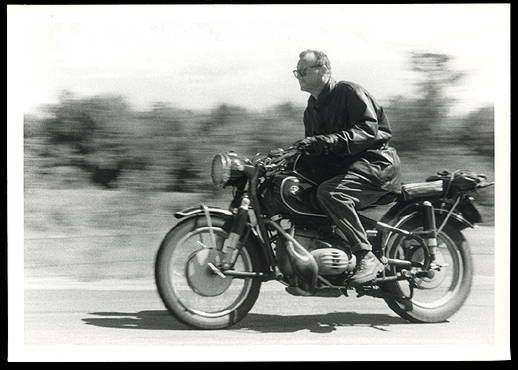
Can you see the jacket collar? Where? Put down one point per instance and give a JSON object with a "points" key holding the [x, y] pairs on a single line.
{"points": [[324, 94]]}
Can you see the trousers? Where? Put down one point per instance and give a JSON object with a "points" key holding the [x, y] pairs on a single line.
{"points": [[340, 197]]}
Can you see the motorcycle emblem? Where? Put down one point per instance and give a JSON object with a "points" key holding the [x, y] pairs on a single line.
{"points": [[294, 189]]}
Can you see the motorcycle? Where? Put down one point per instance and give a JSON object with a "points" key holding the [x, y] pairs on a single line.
{"points": [[211, 264]]}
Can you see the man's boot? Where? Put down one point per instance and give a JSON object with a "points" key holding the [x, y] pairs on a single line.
{"points": [[367, 267]]}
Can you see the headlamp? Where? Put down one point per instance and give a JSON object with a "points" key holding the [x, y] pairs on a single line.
{"points": [[227, 169]]}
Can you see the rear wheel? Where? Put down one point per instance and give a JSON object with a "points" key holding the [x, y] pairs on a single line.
{"points": [[190, 289], [437, 298]]}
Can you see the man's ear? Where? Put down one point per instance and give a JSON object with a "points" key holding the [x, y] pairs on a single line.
{"points": [[327, 71]]}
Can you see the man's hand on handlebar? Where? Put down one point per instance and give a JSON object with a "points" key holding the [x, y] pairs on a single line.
{"points": [[310, 145]]}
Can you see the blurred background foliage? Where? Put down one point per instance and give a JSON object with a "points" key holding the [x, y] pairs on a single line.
{"points": [[102, 141]]}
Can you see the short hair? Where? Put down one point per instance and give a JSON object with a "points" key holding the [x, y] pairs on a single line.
{"points": [[320, 56]]}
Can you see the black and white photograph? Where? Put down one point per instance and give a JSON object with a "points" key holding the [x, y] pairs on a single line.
{"points": [[303, 182]]}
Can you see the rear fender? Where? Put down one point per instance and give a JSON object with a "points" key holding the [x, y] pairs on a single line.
{"points": [[402, 209], [401, 212]]}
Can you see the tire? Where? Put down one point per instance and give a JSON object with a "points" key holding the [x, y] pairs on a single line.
{"points": [[412, 309], [180, 295]]}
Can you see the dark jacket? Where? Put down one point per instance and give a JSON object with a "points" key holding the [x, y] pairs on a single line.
{"points": [[355, 133]]}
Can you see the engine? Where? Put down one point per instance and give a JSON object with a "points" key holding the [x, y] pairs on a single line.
{"points": [[324, 253], [332, 261], [332, 255]]}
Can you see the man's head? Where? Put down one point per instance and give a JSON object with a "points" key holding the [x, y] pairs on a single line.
{"points": [[313, 71]]}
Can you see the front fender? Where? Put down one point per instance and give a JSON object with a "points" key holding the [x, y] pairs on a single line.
{"points": [[194, 211]]}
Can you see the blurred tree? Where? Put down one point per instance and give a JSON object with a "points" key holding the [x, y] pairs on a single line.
{"points": [[287, 110], [436, 74], [477, 131], [91, 129], [223, 115], [167, 148], [32, 126], [422, 122]]}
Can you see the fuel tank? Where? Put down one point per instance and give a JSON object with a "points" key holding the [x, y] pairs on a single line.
{"points": [[291, 195]]}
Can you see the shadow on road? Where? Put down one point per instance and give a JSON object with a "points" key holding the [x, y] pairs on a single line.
{"points": [[162, 320], [150, 320], [325, 323]]}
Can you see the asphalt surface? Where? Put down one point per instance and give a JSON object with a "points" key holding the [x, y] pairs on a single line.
{"points": [[138, 317], [130, 313]]}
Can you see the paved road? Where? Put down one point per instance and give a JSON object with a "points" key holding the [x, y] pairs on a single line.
{"points": [[106, 313], [137, 317]]}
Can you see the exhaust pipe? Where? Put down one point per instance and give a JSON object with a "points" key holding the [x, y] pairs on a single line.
{"points": [[302, 262]]}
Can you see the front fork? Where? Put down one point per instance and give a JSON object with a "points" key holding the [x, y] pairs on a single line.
{"points": [[236, 236], [430, 229]]}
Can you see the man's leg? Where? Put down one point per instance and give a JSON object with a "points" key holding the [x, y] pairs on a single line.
{"points": [[339, 197]]}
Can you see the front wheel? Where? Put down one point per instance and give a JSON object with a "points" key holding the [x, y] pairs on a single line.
{"points": [[435, 299], [190, 290]]}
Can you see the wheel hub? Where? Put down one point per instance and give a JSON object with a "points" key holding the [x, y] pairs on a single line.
{"points": [[201, 278], [436, 278]]}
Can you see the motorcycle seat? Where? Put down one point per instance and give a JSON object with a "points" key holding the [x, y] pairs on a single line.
{"points": [[429, 189], [386, 199]]}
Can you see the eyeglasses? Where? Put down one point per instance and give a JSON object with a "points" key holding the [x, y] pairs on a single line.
{"points": [[302, 73]]}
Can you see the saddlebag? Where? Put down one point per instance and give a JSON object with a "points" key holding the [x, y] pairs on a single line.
{"points": [[432, 189], [459, 181]]}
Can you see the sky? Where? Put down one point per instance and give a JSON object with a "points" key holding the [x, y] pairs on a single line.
{"points": [[198, 56]]}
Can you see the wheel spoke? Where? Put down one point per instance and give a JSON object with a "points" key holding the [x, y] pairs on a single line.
{"points": [[201, 244], [201, 241]]}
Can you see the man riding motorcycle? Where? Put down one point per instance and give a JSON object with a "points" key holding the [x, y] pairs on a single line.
{"points": [[346, 140]]}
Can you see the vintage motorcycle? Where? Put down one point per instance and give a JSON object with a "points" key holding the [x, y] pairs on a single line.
{"points": [[210, 266]]}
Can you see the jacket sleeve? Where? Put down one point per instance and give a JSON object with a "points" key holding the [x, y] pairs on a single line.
{"points": [[363, 132], [306, 124]]}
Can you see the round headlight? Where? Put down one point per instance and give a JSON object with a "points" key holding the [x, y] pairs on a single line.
{"points": [[220, 171]]}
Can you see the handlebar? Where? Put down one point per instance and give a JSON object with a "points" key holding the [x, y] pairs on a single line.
{"points": [[288, 153], [278, 158]]}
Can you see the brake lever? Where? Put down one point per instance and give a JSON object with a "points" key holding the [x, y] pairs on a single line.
{"points": [[290, 152]]}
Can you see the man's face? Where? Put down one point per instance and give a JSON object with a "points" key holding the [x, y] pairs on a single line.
{"points": [[310, 74]]}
